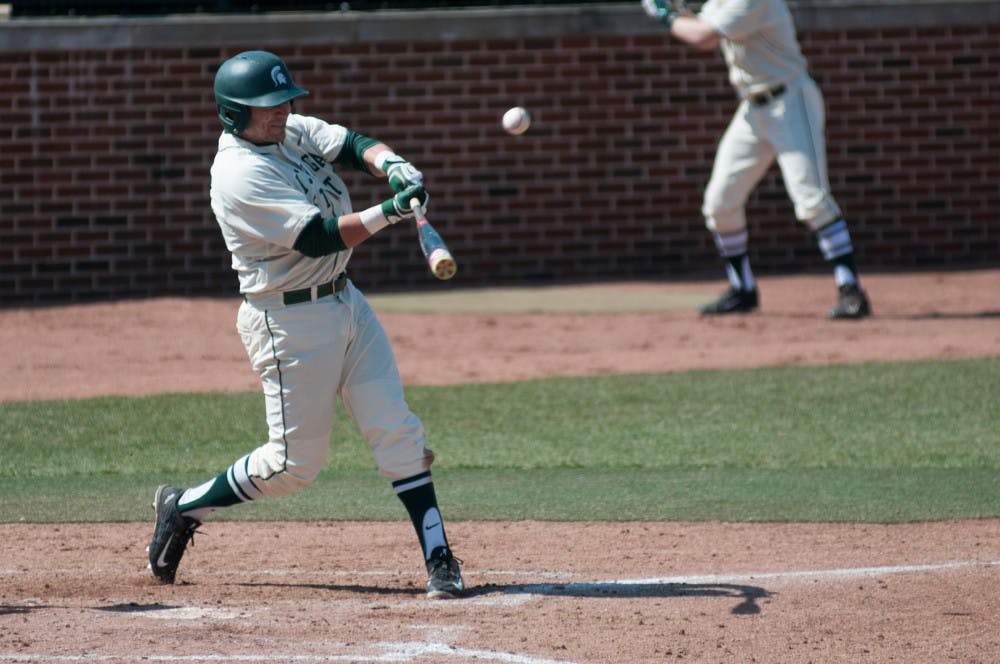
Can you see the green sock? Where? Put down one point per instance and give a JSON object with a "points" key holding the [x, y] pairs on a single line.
{"points": [[844, 270], [739, 273], [421, 503], [200, 501]]}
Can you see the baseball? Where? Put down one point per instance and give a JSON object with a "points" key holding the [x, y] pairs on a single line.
{"points": [[516, 120]]}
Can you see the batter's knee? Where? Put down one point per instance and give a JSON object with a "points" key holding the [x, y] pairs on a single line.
{"points": [[815, 223], [275, 472], [725, 225], [722, 220], [817, 210]]}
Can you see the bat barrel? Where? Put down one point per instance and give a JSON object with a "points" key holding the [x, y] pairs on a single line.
{"points": [[442, 264], [439, 259]]}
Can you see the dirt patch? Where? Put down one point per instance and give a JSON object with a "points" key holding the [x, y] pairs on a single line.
{"points": [[191, 345], [539, 592]]}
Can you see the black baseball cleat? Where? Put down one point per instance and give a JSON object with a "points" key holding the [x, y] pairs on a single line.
{"points": [[170, 535], [732, 301], [853, 304], [444, 578]]}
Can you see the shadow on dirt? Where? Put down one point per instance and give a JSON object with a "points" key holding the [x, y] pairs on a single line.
{"points": [[748, 595], [135, 607], [879, 314], [941, 315], [10, 609], [332, 587]]}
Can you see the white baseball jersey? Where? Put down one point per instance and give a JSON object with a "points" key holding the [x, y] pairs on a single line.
{"points": [[759, 45], [264, 195]]}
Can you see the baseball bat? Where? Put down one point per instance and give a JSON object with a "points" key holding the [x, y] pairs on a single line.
{"points": [[439, 259]]}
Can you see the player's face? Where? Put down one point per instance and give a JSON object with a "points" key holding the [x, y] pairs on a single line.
{"points": [[267, 125]]}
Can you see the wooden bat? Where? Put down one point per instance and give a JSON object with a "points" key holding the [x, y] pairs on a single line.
{"points": [[439, 259]]}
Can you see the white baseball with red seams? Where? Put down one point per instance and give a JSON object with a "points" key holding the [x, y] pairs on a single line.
{"points": [[516, 120]]}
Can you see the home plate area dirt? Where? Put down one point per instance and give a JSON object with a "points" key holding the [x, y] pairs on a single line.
{"points": [[539, 592]]}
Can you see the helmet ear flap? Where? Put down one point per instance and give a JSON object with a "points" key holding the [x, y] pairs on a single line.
{"points": [[234, 118]]}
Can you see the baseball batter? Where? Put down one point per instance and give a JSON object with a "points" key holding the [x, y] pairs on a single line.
{"points": [[286, 217], [780, 118]]}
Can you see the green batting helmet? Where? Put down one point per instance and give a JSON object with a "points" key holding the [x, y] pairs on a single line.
{"points": [[251, 78]]}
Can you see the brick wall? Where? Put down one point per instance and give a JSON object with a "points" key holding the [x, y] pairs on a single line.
{"points": [[109, 131]]}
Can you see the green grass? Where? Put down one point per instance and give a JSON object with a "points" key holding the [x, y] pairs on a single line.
{"points": [[540, 299], [868, 443]]}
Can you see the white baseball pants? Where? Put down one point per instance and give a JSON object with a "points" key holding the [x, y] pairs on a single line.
{"points": [[307, 355], [790, 128]]}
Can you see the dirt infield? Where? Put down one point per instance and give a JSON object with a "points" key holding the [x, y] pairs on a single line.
{"points": [[176, 345], [539, 592]]}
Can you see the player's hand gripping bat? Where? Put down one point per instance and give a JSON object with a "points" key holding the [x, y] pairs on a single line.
{"points": [[436, 252]]}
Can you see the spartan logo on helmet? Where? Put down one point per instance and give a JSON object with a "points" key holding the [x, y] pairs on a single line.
{"points": [[251, 79], [278, 76]]}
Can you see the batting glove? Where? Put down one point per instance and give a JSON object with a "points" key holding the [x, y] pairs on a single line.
{"points": [[401, 173], [662, 11], [398, 207]]}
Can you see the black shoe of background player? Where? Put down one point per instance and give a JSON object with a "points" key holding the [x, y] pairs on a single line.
{"points": [[853, 304], [732, 301]]}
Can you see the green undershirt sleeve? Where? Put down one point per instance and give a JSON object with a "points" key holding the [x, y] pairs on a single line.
{"points": [[352, 154], [320, 237]]}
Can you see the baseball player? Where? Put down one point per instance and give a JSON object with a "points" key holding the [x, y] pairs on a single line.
{"points": [[780, 117], [286, 217]]}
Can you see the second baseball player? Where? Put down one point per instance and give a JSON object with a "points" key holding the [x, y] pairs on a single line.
{"points": [[780, 117]]}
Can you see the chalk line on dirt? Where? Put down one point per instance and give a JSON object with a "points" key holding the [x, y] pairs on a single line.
{"points": [[563, 578], [846, 573], [405, 651]]}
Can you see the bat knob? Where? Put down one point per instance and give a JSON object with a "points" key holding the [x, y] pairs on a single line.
{"points": [[417, 208]]}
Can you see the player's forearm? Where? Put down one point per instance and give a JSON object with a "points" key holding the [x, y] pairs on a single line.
{"points": [[695, 32], [326, 236], [371, 157], [322, 237], [352, 154], [353, 229]]}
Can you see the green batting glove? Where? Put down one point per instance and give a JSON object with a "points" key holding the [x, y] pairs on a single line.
{"points": [[398, 207], [661, 11], [401, 173]]}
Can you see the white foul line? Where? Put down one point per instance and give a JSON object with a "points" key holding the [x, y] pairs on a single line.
{"points": [[845, 573], [566, 577], [391, 652]]}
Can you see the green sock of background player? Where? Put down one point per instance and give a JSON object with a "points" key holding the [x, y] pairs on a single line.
{"points": [[834, 242]]}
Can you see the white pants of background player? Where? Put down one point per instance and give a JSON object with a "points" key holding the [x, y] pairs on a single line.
{"points": [[307, 355], [789, 129]]}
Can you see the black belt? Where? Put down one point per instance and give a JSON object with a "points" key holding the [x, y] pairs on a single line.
{"points": [[305, 294], [767, 96]]}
